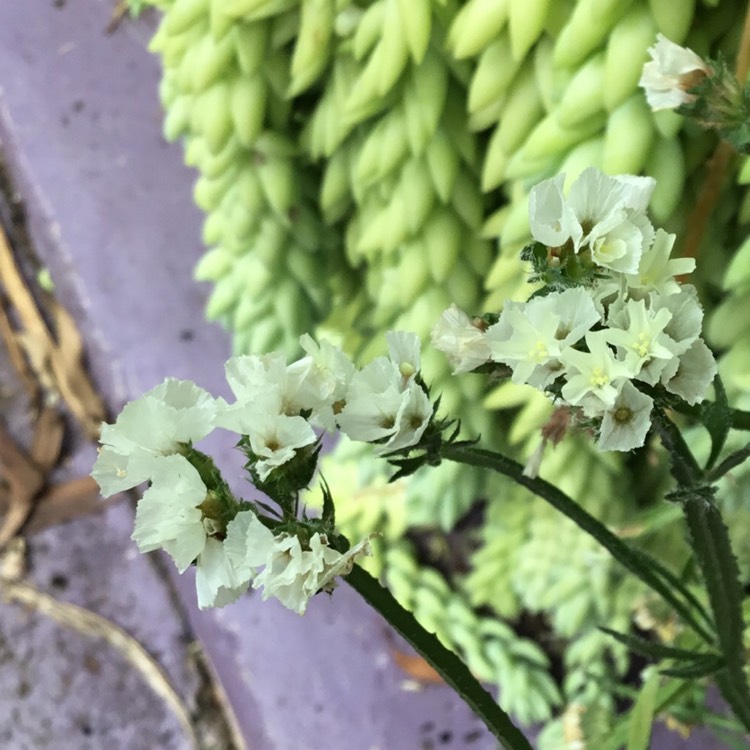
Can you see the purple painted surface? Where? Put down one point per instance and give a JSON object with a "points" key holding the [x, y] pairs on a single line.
{"points": [[111, 215]]}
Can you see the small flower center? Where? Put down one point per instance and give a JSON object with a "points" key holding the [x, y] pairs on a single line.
{"points": [[599, 377], [539, 351], [642, 345], [388, 421], [406, 369], [623, 415]]}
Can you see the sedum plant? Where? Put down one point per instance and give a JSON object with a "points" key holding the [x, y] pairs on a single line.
{"points": [[362, 165]]}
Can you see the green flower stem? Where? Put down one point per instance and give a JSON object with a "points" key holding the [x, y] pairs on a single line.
{"points": [[685, 468], [718, 564], [445, 662], [650, 571]]}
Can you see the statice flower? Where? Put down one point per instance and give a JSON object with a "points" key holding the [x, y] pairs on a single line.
{"points": [[670, 74], [610, 312], [328, 378], [626, 423], [594, 377], [217, 581], [529, 337], [169, 516], [385, 403], [292, 572], [461, 339], [657, 271], [603, 214], [638, 333], [157, 424]]}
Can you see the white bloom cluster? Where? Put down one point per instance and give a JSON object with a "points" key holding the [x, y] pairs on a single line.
{"points": [[670, 73], [628, 321], [277, 407]]}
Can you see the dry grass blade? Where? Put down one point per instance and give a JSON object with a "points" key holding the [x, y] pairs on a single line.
{"points": [[95, 626], [57, 363], [16, 353]]}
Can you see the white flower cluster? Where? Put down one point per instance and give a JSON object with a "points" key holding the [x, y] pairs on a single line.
{"points": [[277, 407], [670, 73], [629, 322]]}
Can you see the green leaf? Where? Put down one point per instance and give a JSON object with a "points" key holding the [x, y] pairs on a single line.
{"points": [[713, 551], [649, 570], [667, 694], [642, 715], [448, 665], [703, 667], [655, 651], [730, 462], [716, 417]]}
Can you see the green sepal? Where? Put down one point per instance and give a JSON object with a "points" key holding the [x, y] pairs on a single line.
{"points": [[716, 417], [329, 510]]}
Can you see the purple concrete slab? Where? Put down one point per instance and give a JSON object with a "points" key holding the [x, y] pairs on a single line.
{"points": [[111, 217]]}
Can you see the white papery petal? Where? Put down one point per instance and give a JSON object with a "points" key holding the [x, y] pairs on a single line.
{"points": [[666, 76], [460, 340], [217, 582], [695, 373], [168, 517], [626, 424]]}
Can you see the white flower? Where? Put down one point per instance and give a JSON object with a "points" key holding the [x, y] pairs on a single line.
{"points": [[656, 271], [263, 382], [672, 71], [291, 574], [168, 515], [601, 212], [372, 402], [216, 580], [687, 316], [626, 423], [384, 405], [593, 378], [530, 336], [696, 372], [275, 439], [460, 340], [552, 221], [403, 349], [149, 428], [248, 544], [324, 389], [412, 418], [641, 337]]}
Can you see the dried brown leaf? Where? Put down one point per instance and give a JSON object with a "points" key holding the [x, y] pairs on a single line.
{"points": [[48, 436]]}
